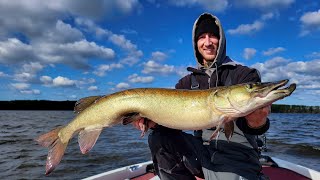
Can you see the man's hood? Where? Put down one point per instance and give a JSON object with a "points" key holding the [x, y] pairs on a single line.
{"points": [[221, 52]]}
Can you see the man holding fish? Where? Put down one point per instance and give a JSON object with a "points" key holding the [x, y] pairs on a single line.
{"points": [[178, 155], [219, 96]]}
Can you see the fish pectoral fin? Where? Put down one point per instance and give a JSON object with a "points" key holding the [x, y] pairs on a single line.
{"points": [[56, 148], [228, 129], [228, 124], [87, 139], [215, 133], [83, 103]]}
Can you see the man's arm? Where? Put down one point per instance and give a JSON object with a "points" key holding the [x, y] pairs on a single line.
{"points": [[258, 118]]}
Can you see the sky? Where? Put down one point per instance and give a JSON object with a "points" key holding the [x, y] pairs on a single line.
{"points": [[66, 50]]}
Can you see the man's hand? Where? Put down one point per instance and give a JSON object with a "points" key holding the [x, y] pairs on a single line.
{"points": [[143, 125], [258, 118]]}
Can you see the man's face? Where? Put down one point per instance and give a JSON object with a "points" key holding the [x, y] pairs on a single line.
{"points": [[207, 46]]}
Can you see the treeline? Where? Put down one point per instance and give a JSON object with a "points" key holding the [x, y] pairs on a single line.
{"points": [[282, 108], [68, 105], [36, 105]]}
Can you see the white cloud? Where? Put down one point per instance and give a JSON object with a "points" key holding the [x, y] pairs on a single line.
{"points": [[248, 53], [32, 67], [103, 68], [28, 72], [267, 16], [73, 54], [210, 5], [276, 61], [122, 42], [32, 91], [85, 81], [135, 78], [133, 53], [247, 28], [310, 22], [2, 74], [257, 25], [39, 14], [158, 56], [314, 55], [93, 88], [46, 80], [14, 51], [124, 6], [311, 18], [122, 85], [130, 60], [264, 5], [154, 67], [20, 86], [24, 77], [45, 38], [129, 31], [62, 33], [311, 68], [305, 74], [272, 51], [63, 82], [24, 88]]}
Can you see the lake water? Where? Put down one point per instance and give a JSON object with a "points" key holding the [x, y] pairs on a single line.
{"points": [[292, 137]]}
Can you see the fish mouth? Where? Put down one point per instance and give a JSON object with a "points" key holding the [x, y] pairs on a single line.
{"points": [[277, 90]]}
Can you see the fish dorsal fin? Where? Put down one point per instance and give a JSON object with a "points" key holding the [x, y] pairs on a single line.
{"points": [[83, 103], [87, 139]]}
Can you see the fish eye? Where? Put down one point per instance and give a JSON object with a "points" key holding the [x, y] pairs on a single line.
{"points": [[250, 86]]}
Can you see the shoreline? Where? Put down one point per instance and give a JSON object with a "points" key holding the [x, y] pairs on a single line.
{"points": [[69, 105]]}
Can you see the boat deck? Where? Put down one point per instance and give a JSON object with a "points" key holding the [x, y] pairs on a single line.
{"points": [[274, 168], [274, 173]]}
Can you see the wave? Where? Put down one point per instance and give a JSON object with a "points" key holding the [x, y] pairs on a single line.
{"points": [[299, 148]]}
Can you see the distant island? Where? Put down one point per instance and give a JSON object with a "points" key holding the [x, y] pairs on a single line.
{"points": [[68, 105]]}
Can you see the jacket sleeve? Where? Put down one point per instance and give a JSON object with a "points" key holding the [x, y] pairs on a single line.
{"points": [[184, 83], [246, 75], [243, 126]]}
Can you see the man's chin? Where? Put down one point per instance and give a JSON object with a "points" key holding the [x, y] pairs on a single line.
{"points": [[208, 57]]}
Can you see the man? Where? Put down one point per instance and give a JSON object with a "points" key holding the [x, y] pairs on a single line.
{"points": [[178, 155]]}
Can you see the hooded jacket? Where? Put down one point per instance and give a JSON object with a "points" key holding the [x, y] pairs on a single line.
{"points": [[240, 155], [221, 52]]}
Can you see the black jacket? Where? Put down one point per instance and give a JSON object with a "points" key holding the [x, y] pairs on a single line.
{"points": [[239, 155]]}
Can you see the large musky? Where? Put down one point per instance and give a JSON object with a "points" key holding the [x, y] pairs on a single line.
{"points": [[65, 50]]}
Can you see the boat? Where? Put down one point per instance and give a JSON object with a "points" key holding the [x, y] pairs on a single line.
{"points": [[274, 168]]}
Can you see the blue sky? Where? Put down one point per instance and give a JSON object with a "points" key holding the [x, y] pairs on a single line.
{"points": [[65, 50]]}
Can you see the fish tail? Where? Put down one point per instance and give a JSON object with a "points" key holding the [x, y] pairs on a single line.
{"points": [[52, 141]]}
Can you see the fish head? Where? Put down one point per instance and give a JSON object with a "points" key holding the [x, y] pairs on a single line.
{"points": [[240, 100]]}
